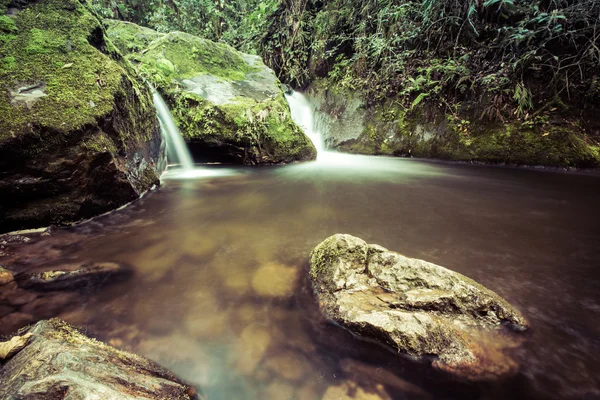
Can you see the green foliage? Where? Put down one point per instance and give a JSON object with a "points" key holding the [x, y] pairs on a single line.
{"points": [[7, 24]]}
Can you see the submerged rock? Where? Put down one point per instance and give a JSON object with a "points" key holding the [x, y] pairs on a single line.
{"points": [[419, 309], [78, 133], [74, 277], [58, 359], [228, 105]]}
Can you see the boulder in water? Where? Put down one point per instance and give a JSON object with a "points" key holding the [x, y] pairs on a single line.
{"points": [[419, 309], [72, 277], [229, 106], [78, 131], [58, 359]]}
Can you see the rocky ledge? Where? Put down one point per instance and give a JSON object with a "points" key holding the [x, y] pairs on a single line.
{"points": [[53, 358], [229, 106], [419, 309]]}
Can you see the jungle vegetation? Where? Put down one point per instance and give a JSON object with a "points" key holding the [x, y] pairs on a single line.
{"points": [[515, 58]]}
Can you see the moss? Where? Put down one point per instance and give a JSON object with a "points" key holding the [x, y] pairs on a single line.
{"points": [[55, 48], [7, 24], [128, 37], [191, 56]]}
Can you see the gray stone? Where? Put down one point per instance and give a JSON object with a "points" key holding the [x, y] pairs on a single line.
{"points": [[419, 309], [60, 362]]}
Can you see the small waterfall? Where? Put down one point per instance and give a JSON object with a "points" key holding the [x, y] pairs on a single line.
{"points": [[176, 148], [303, 115]]}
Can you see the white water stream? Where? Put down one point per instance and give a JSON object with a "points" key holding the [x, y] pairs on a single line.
{"points": [[177, 150]]}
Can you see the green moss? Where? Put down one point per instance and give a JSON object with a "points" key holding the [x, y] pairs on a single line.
{"points": [[128, 37], [192, 56], [53, 50], [7, 24]]}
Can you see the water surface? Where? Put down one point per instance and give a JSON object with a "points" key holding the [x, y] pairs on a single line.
{"points": [[220, 294]]}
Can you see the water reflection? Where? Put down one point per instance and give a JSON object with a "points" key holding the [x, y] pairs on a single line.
{"points": [[220, 294]]}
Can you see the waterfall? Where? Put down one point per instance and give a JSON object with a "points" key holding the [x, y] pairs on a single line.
{"points": [[176, 148], [303, 115]]}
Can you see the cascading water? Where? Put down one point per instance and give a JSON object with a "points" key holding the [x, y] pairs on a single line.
{"points": [[176, 148], [303, 115]]}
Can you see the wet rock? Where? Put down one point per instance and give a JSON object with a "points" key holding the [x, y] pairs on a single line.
{"points": [[251, 348], [351, 391], [70, 279], [365, 374], [419, 309], [58, 360], [78, 135], [13, 346], [288, 365], [5, 276], [278, 390], [274, 280], [229, 105]]}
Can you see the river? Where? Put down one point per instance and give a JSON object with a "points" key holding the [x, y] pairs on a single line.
{"points": [[220, 294]]}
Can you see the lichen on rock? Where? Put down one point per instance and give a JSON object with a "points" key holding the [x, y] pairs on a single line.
{"points": [[228, 105], [420, 309], [78, 132], [58, 359]]}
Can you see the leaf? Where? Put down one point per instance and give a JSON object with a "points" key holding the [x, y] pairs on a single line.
{"points": [[13, 346], [546, 134], [69, 65], [418, 100]]}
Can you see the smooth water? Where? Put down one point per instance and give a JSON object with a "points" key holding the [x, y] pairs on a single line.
{"points": [[177, 150], [220, 294]]}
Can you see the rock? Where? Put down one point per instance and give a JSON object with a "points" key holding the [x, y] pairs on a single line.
{"points": [[5, 276], [366, 374], [351, 391], [274, 280], [13, 346], [419, 309], [288, 365], [352, 124], [75, 141], [278, 391], [86, 275], [251, 348], [58, 360], [228, 105]]}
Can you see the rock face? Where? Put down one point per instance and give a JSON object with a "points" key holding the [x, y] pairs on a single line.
{"points": [[228, 105], [59, 360], [419, 309], [78, 133], [387, 128]]}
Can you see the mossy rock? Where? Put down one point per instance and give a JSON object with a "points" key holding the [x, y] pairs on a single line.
{"points": [[390, 128], [78, 133], [228, 105], [129, 37]]}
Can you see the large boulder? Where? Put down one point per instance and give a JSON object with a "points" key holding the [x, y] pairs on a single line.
{"points": [[78, 133], [53, 358], [419, 309], [229, 106]]}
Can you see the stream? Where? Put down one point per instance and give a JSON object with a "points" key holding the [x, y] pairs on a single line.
{"points": [[220, 294]]}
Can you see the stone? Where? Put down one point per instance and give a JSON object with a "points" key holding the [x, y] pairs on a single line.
{"points": [[365, 374], [13, 346], [289, 366], [59, 359], [419, 309], [251, 348], [274, 280], [68, 278], [74, 142], [348, 390], [5, 276], [278, 390], [228, 105]]}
